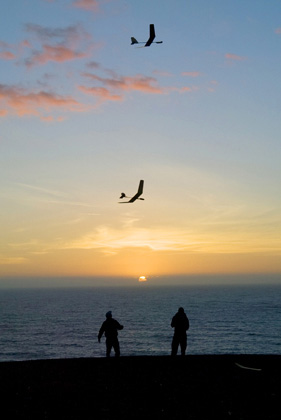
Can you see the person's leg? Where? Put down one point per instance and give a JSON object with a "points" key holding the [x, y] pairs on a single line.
{"points": [[175, 345], [116, 347], [183, 344], [108, 347]]}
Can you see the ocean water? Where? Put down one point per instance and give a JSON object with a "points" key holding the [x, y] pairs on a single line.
{"points": [[64, 323]]}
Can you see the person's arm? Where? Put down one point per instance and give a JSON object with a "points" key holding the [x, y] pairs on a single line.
{"points": [[101, 331], [119, 326]]}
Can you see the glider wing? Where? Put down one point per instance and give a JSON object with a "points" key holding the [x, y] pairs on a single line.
{"points": [[140, 190], [151, 35]]}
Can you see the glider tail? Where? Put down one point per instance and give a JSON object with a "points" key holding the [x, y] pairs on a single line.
{"points": [[133, 41]]}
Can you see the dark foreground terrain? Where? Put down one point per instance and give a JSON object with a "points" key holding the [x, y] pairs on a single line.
{"points": [[194, 387]]}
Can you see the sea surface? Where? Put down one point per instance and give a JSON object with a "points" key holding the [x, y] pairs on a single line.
{"points": [[64, 323]]}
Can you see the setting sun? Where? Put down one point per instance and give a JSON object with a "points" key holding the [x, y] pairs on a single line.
{"points": [[142, 278]]}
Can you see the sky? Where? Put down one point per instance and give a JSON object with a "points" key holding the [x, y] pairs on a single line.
{"points": [[84, 116]]}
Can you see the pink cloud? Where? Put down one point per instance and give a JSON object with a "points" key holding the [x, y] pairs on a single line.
{"points": [[12, 51], [91, 5], [101, 93], [278, 31], [191, 73], [182, 89], [7, 55], [58, 44], [234, 57], [57, 53], [14, 100], [185, 89], [128, 83], [114, 87]]}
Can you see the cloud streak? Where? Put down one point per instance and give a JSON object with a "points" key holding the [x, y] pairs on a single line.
{"points": [[111, 241], [50, 196], [89, 5], [115, 88], [191, 73], [12, 260], [235, 57], [139, 82]]}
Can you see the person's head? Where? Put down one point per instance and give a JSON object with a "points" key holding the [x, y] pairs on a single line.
{"points": [[108, 314], [181, 310]]}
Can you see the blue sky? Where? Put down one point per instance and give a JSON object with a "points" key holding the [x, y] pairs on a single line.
{"points": [[85, 115]]}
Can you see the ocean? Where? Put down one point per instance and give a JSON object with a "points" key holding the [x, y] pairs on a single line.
{"points": [[64, 323]]}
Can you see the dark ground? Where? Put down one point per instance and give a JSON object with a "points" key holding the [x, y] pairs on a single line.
{"points": [[194, 387]]}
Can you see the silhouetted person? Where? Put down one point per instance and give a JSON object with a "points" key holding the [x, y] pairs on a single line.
{"points": [[180, 323], [110, 328]]}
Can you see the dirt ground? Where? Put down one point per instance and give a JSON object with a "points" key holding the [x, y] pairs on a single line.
{"points": [[193, 387]]}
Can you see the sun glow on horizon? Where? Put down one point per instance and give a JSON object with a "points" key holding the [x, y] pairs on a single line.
{"points": [[142, 279]]}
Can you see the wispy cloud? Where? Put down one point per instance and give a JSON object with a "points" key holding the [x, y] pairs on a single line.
{"points": [[53, 193], [101, 93], [58, 44], [57, 53], [111, 240], [22, 102], [129, 83], [278, 31], [12, 51], [164, 239], [7, 55], [90, 5], [115, 87], [191, 73], [51, 196], [235, 57], [71, 33], [12, 260]]}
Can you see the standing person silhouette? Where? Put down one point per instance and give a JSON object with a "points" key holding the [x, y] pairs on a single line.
{"points": [[180, 323], [110, 328]]}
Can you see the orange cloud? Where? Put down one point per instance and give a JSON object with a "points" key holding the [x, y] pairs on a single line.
{"points": [[234, 57], [91, 5], [14, 100], [7, 55], [101, 93]]}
